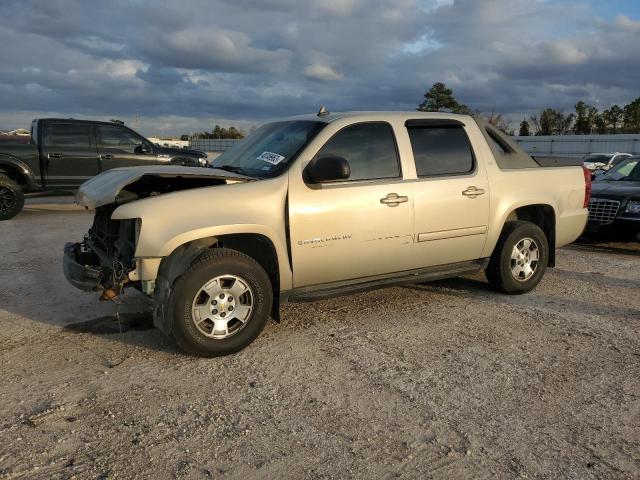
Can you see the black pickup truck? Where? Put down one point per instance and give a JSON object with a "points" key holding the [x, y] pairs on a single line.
{"points": [[63, 153]]}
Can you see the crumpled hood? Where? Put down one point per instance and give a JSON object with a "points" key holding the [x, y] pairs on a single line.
{"points": [[105, 187]]}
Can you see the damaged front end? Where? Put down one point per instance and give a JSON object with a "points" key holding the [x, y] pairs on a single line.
{"points": [[104, 259]]}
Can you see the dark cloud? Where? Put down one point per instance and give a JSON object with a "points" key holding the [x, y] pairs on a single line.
{"points": [[196, 62]]}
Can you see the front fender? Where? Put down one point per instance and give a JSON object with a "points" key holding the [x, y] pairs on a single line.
{"points": [[174, 219]]}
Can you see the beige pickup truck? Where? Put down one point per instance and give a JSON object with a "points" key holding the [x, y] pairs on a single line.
{"points": [[323, 205]]}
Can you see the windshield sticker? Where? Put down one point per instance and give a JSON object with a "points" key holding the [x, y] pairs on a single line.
{"points": [[272, 158]]}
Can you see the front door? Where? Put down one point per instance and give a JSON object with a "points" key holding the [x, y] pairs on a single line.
{"points": [[121, 147], [451, 196], [70, 154], [356, 228]]}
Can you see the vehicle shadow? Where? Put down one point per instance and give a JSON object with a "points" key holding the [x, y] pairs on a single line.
{"points": [[474, 288], [133, 328]]}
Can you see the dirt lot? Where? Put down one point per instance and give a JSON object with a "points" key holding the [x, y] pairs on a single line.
{"points": [[445, 380]]}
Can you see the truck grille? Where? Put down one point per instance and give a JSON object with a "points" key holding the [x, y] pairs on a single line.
{"points": [[603, 210]]}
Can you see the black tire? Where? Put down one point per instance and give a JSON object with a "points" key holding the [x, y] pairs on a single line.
{"points": [[11, 198], [499, 271], [211, 264], [184, 162]]}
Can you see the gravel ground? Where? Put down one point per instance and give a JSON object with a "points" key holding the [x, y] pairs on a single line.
{"points": [[441, 380]]}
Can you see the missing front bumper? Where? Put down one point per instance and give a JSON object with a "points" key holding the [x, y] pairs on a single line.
{"points": [[80, 268]]}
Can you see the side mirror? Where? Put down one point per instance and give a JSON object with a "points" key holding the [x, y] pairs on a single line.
{"points": [[143, 148], [327, 169]]}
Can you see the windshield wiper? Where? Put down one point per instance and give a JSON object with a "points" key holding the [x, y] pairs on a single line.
{"points": [[230, 168]]}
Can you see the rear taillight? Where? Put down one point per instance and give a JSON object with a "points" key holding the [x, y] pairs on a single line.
{"points": [[587, 186]]}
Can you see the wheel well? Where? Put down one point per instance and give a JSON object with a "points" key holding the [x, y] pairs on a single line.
{"points": [[258, 247], [545, 217], [14, 174], [261, 249]]}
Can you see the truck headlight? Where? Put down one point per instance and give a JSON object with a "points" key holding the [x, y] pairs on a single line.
{"points": [[633, 206], [202, 162]]}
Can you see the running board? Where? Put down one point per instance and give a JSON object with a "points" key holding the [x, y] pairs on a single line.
{"points": [[347, 287]]}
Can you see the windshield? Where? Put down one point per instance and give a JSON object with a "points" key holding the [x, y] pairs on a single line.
{"points": [[597, 158], [269, 150], [627, 170]]}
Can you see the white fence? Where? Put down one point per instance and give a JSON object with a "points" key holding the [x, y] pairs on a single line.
{"points": [[579, 145], [556, 145]]}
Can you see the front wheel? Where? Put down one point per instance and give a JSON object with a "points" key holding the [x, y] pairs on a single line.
{"points": [[11, 198], [221, 303], [520, 258]]}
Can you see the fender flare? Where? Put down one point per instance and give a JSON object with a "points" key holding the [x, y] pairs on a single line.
{"points": [[15, 163]]}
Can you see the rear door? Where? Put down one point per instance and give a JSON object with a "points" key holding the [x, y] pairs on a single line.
{"points": [[451, 194], [70, 154], [121, 147]]}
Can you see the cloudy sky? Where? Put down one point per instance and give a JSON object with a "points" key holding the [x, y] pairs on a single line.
{"points": [[187, 66]]}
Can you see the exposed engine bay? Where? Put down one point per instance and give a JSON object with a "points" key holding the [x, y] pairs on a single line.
{"points": [[107, 252]]}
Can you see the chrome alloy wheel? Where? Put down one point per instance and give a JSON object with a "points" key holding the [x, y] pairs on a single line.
{"points": [[524, 259], [222, 307]]}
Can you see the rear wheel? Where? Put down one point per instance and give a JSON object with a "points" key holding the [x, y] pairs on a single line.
{"points": [[520, 258], [11, 198], [221, 303]]}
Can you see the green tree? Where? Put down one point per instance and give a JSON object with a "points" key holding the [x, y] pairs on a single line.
{"points": [[524, 128], [614, 118], [184, 137], [585, 118], [554, 122], [233, 132], [600, 124], [439, 98], [632, 117], [217, 132]]}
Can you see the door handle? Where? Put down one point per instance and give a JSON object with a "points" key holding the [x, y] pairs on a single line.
{"points": [[472, 192], [106, 156], [54, 155], [393, 200]]}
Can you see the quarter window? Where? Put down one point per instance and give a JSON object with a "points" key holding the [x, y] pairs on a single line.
{"points": [[370, 149], [67, 135], [441, 151]]}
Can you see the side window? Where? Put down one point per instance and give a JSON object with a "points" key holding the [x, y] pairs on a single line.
{"points": [[370, 149], [441, 151], [118, 139], [67, 135]]}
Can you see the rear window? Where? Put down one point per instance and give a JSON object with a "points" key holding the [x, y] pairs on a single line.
{"points": [[67, 135], [441, 151]]}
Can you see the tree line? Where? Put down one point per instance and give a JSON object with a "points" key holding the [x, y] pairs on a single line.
{"points": [[584, 120], [217, 132]]}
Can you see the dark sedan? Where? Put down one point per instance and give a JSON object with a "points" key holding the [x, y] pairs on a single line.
{"points": [[615, 199]]}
